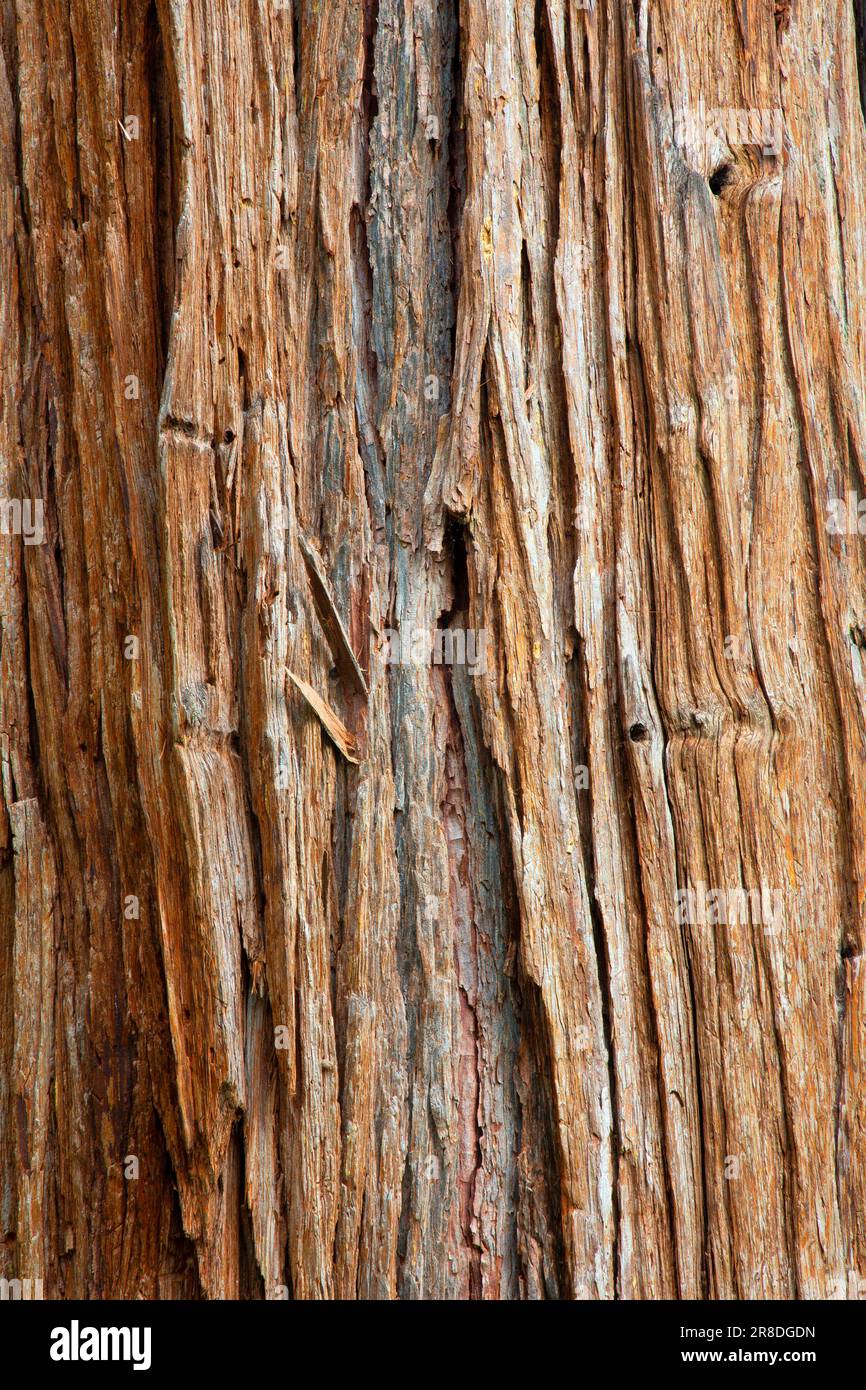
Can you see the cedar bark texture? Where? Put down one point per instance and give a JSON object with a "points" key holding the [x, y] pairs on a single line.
{"points": [[328, 976]]}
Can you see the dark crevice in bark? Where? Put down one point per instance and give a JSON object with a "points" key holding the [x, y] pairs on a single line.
{"points": [[367, 309], [454, 811], [456, 558], [604, 984], [76, 151], [721, 178], [406, 1184], [569, 55], [580, 758], [27, 298], [179, 1262], [251, 1284], [551, 117], [498, 930], [342, 829], [165, 180], [33, 751], [528, 333], [243, 380], [366, 384], [539, 1119], [545, 381], [369, 92], [842, 1004], [456, 167], [287, 1266], [296, 52], [860, 41], [523, 1122]]}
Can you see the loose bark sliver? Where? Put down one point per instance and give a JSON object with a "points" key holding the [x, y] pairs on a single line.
{"points": [[334, 727], [332, 624]]}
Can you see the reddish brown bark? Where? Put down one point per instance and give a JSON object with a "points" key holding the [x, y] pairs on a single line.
{"points": [[326, 971]]}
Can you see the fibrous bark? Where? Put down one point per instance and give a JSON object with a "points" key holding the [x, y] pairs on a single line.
{"points": [[325, 972]]}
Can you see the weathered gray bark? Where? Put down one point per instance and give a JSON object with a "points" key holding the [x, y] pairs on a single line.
{"points": [[322, 321]]}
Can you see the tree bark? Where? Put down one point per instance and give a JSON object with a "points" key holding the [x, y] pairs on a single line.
{"points": [[533, 971]]}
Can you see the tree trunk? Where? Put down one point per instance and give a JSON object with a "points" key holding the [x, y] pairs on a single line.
{"points": [[432, 676]]}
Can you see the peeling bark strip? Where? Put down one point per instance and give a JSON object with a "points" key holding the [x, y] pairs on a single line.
{"points": [[534, 319], [332, 623], [336, 731]]}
